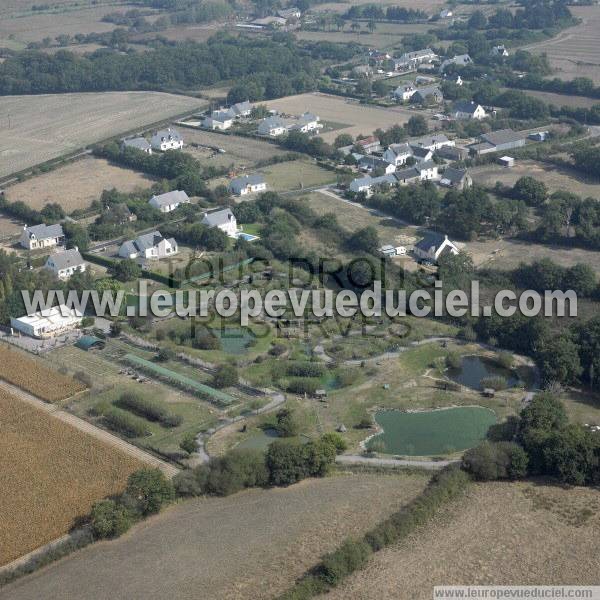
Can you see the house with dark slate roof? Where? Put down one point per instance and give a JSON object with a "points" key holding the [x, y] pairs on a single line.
{"points": [[247, 184], [433, 246], [456, 178], [150, 246], [42, 236], [139, 143], [222, 219], [66, 263], [169, 201]]}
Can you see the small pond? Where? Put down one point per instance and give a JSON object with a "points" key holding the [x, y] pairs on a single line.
{"points": [[433, 432], [234, 340], [475, 368], [261, 438]]}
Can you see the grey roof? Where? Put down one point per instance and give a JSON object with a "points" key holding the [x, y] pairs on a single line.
{"points": [[273, 122], [140, 143], [434, 240], [383, 179], [420, 151], [223, 115], [428, 90], [66, 259], [147, 240], [168, 198], [452, 152], [465, 107], [454, 175], [502, 136], [308, 117], [373, 162], [43, 231], [428, 140], [241, 108], [399, 149], [426, 164], [361, 181], [238, 183], [219, 217], [409, 173], [168, 133]]}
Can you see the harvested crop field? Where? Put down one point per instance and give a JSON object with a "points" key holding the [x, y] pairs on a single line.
{"points": [[499, 533], [34, 377], [556, 178], [76, 185], [35, 27], [47, 126], [563, 99], [51, 475], [9, 227], [252, 544], [575, 52], [353, 117], [241, 151]]}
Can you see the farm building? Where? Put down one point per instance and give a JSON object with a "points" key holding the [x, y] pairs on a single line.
{"points": [[64, 264], [42, 236], [456, 178], [48, 323], [90, 342], [219, 120], [169, 201], [497, 141], [222, 219], [247, 184], [273, 126], [167, 139], [468, 110], [433, 246], [139, 143], [453, 153], [151, 246], [507, 161]]}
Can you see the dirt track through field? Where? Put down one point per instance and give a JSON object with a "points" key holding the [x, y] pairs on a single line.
{"points": [[100, 434]]}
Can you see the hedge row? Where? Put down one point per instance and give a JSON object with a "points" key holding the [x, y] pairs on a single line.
{"points": [[353, 554], [122, 422], [144, 407]]}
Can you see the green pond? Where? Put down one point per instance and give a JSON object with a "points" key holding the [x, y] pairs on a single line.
{"points": [[234, 340], [432, 432]]}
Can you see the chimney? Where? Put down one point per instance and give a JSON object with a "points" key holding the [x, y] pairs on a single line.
{"points": [[76, 248]]}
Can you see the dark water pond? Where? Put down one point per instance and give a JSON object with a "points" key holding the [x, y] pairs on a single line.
{"points": [[475, 368]]}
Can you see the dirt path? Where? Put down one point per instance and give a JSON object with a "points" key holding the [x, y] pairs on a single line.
{"points": [[349, 459], [100, 434]]}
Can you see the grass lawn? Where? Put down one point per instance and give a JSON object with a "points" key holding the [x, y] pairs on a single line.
{"points": [[296, 175]]}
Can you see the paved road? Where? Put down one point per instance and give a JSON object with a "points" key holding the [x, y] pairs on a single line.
{"points": [[351, 459], [100, 434]]}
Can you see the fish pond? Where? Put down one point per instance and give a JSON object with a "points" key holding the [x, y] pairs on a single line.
{"points": [[433, 432], [474, 370]]}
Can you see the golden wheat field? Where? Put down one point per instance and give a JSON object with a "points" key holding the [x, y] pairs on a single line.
{"points": [[33, 377], [51, 474]]}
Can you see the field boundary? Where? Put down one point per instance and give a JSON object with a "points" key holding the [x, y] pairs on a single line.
{"points": [[86, 427]]}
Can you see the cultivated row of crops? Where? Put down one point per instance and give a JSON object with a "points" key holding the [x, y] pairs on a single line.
{"points": [[34, 377]]}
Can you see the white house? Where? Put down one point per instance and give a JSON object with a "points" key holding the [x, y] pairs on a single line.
{"points": [[138, 143], [166, 139], [428, 170], [432, 142], [150, 246], [169, 201], [219, 120], [421, 154], [430, 93], [433, 246], [468, 110], [404, 92], [247, 184], [48, 323], [241, 109], [367, 183], [375, 163], [66, 263], [42, 236], [368, 144], [397, 154], [446, 13], [273, 126], [306, 123], [222, 219]]}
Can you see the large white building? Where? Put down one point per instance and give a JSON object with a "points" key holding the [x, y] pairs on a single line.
{"points": [[273, 126], [247, 184], [67, 263], [166, 139], [48, 323], [219, 120]]}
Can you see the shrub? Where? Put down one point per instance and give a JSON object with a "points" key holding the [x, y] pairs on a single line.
{"points": [[235, 471], [303, 385], [84, 378], [148, 490], [305, 369], [165, 354], [188, 443], [506, 360], [287, 424], [453, 360], [496, 383], [336, 440], [124, 423], [225, 376], [349, 557], [191, 482], [496, 460], [205, 340], [144, 407], [110, 519]]}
